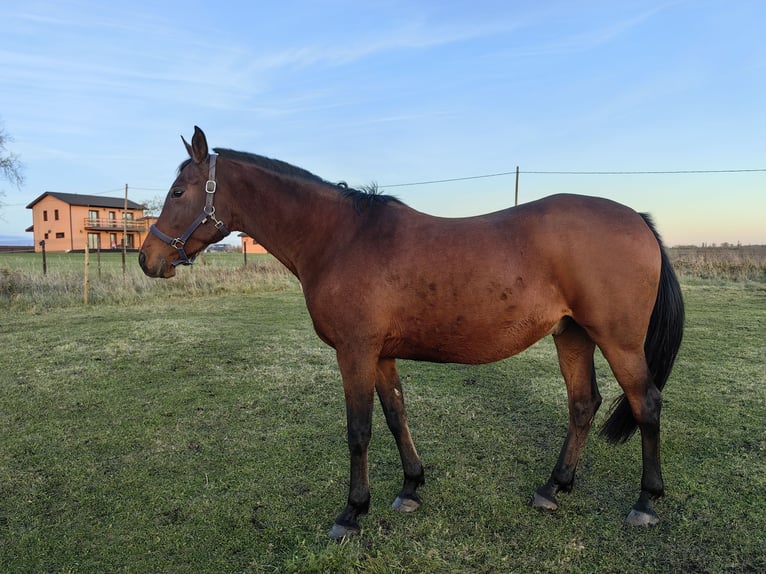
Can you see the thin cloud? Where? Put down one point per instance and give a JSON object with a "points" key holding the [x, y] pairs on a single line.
{"points": [[590, 39], [411, 37]]}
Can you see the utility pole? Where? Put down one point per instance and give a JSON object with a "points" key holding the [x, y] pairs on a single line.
{"points": [[86, 278], [125, 229]]}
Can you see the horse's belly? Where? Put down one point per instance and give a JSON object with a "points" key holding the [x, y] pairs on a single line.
{"points": [[465, 343]]}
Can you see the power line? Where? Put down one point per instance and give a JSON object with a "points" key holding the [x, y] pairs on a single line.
{"points": [[546, 172], [667, 172], [491, 175]]}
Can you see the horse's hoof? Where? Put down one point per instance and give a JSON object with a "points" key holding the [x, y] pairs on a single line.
{"points": [[405, 505], [642, 518], [543, 502], [339, 533]]}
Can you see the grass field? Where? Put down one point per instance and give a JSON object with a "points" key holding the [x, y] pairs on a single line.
{"points": [[197, 425]]}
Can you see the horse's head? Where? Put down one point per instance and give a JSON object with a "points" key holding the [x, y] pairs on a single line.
{"points": [[188, 222]]}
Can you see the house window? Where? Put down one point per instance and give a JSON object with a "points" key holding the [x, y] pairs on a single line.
{"points": [[93, 214], [59, 235], [45, 215], [112, 219], [94, 241], [130, 244], [56, 214], [113, 241]]}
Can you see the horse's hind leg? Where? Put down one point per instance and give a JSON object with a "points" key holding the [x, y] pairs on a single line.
{"points": [[631, 371], [389, 389], [575, 351]]}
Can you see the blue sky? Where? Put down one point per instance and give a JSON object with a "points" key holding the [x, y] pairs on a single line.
{"points": [[96, 94]]}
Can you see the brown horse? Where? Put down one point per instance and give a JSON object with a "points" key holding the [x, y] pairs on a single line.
{"points": [[383, 281]]}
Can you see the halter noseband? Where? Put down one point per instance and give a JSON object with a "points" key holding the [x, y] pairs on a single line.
{"points": [[208, 212]]}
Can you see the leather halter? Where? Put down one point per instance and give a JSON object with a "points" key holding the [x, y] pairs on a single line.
{"points": [[208, 213]]}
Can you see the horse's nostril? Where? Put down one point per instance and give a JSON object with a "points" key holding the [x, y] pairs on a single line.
{"points": [[142, 259]]}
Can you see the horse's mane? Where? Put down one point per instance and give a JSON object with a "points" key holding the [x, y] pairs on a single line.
{"points": [[361, 198]]}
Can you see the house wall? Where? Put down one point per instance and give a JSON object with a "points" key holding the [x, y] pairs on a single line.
{"points": [[251, 245], [52, 222], [64, 229]]}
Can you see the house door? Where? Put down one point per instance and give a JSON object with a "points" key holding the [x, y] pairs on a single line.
{"points": [[94, 241]]}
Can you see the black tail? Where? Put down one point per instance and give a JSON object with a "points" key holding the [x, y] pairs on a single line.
{"points": [[666, 329]]}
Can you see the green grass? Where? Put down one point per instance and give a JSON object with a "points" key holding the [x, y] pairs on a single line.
{"points": [[205, 432]]}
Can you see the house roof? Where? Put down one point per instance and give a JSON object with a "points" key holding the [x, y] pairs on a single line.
{"points": [[88, 200]]}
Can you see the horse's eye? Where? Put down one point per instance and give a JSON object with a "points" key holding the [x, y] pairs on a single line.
{"points": [[177, 192]]}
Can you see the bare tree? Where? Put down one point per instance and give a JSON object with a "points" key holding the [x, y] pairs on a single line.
{"points": [[152, 207], [10, 165]]}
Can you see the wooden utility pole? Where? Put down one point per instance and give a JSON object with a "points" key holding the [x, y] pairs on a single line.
{"points": [[85, 283], [98, 256], [125, 229], [516, 197]]}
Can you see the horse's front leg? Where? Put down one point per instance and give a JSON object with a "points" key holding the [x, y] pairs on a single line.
{"points": [[389, 388], [359, 388]]}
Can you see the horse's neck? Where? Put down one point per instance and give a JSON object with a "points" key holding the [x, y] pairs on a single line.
{"points": [[294, 222]]}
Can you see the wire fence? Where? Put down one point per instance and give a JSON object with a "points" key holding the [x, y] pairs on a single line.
{"points": [[518, 171]]}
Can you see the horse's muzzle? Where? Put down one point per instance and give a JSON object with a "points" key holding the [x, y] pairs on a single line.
{"points": [[159, 268]]}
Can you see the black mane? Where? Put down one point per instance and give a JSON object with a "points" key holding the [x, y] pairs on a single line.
{"points": [[275, 165], [361, 198]]}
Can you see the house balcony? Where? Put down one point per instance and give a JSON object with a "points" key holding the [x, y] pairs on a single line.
{"points": [[113, 225]]}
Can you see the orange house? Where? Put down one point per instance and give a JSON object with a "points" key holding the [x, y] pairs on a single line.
{"points": [[250, 245], [69, 221]]}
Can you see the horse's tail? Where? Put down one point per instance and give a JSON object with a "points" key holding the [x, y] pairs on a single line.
{"points": [[663, 338]]}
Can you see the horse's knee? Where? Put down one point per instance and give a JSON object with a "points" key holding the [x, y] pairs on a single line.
{"points": [[359, 434]]}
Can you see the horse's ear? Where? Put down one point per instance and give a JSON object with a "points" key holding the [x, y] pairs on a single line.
{"points": [[188, 147], [198, 148]]}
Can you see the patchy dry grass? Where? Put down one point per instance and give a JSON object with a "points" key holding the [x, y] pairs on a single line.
{"points": [[740, 264], [24, 286]]}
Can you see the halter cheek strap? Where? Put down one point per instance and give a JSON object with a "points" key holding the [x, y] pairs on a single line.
{"points": [[208, 213]]}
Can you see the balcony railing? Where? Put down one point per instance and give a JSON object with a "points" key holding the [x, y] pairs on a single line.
{"points": [[114, 224]]}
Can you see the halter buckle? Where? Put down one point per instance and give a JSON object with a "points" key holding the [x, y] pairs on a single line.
{"points": [[210, 186], [178, 243]]}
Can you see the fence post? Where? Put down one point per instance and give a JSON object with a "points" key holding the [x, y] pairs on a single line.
{"points": [[45, 262], [516, 197]]}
